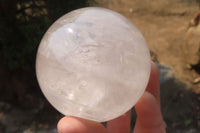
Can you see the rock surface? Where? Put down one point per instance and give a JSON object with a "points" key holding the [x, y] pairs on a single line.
{"points": [[178, 108], [191, 47]]}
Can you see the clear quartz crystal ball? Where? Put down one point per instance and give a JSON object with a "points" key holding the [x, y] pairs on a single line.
{"points": [[93, 63]]}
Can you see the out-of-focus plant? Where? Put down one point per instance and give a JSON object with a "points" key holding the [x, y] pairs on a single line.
{"points": [[22, 25]]}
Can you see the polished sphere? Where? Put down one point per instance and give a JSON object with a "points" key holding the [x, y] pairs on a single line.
{"points": [[93, 63]]}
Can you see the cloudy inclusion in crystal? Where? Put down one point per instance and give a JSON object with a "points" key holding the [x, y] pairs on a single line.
{"points": [[93, 63]]}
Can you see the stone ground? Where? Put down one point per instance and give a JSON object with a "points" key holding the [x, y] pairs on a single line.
{"points": [[180, 109], [164, 25]]}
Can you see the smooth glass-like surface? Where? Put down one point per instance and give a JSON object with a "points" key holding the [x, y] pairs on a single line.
{"points": [[93, 63]]}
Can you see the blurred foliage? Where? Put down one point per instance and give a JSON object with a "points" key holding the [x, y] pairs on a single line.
{"points": [[22, 25]]}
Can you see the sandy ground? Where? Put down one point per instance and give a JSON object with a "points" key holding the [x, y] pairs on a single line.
{"points": [[164, 25]]}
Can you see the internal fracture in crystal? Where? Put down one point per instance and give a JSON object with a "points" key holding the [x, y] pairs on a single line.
{"points": [[93, 63]]}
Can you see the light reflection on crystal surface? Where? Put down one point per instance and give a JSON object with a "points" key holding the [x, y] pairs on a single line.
{"points": [[93, 63]]}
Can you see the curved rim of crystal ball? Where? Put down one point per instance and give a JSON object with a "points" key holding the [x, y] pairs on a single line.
{"points": [[141, 91]]}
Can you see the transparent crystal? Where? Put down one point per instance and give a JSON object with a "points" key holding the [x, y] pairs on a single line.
{"points": [[93, 63]]}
